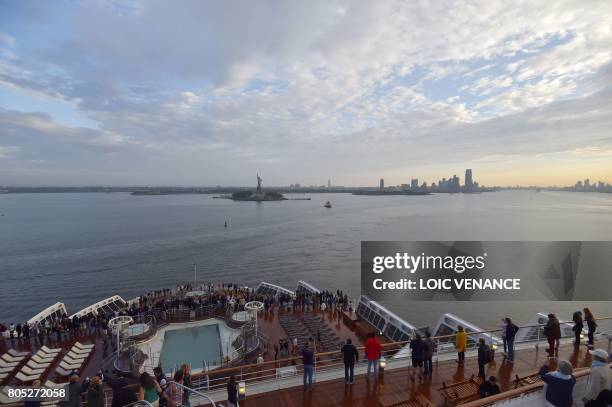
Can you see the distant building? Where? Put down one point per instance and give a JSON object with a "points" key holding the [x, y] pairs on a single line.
{"points": [[329, 183], [414, 183], [382, 184], [469, 182]]}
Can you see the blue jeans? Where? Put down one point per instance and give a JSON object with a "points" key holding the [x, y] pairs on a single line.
{"points": [[308, 370], [510, 349], [376, 364]]}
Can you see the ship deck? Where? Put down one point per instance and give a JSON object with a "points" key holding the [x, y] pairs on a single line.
{"points": [[395, 386]]}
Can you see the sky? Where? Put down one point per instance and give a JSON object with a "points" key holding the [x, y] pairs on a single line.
{"points": [[151, 92]]}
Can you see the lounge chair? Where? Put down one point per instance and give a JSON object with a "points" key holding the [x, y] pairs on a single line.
{"points": [[16, 354], [42, 359], [84, 346], [29, 371], [63, 372], [78, 351], [26, 378], [50, 351], [36, 366], [73, 361], [77, 356], [4, 363], [9, 358], [8, 370], [70, 366], [52, 385]]}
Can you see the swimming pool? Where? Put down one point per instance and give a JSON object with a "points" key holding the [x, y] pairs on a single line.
{"points": [[192, 346]]}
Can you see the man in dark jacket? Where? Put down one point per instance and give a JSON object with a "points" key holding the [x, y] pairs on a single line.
{"points": [[552, 331], [488, 388], [510, 334], [122, 394], [351, 355], [484, 356]]}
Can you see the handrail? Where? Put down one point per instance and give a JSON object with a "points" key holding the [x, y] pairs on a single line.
{"points": [[139, 402], [519, 391], [193, 391], [384, 345]]}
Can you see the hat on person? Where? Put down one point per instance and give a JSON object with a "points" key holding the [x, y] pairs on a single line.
{"points": [[600, 353]]}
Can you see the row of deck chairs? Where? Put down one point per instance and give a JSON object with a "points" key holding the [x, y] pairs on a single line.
{"points": [[38, 364], [75, 359], [295, 329], [329, 340], [10, 362]]}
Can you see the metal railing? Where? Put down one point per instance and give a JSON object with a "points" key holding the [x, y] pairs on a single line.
{"points": [[520, 392], [194, 391], [394, 354]]}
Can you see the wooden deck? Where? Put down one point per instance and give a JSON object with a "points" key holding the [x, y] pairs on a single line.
{"points": [[396, 386]]}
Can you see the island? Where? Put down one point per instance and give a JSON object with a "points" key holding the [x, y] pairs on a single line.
{"points": [[258, 195]]}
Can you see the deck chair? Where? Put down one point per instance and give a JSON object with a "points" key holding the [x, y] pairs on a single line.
{"points": [[69, 366], [42, 359], [16, 354], [26, 378], [11, 359], [84, 346], [50, 351]]}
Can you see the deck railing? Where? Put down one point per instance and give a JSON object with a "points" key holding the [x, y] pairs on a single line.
{"points": [[331, 364]]}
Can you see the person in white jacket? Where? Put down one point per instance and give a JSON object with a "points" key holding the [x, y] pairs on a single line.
{"points": [[601, 376]]}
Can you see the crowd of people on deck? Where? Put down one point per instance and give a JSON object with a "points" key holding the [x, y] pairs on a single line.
{"points": [[159, 391]]}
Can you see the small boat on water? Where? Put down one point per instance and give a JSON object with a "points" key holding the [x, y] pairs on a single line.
{"points": [[327, 204]]}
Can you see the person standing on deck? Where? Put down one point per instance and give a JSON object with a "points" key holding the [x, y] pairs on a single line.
{"points": [[308, 362], [509, 334], [484, 357], [232, 392], [373, 351], [417, 348], [429, 348], [578, 326], [591, 324], [186, 382], [351, 355], [552, 332], [461, 343]]}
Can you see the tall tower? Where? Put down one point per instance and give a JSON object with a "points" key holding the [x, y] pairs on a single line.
{"points": [[382, 184], [469, 182], [329, 183]]}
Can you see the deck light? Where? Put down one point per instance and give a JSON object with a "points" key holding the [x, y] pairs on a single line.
{"points": [[382, 364], [581, 336], [242, 389], [494, 346]]}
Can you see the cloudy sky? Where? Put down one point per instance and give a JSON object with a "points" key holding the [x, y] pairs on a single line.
{"points": [[211, 92]]}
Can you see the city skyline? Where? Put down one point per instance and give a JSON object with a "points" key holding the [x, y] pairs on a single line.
{"points": [[148, 93]]}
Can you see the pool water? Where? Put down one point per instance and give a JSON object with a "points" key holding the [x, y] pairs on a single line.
{"points": [[192, 346]]}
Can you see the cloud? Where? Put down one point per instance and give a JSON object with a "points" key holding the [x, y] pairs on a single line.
{"points": [[306, 89]]}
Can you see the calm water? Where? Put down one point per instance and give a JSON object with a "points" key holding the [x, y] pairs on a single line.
{"points": [[80, 248]]}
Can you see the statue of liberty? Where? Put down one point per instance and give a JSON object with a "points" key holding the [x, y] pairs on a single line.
{"points": [[259, 184]]}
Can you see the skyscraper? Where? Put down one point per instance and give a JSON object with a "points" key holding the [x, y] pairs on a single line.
{"points": [[469, 183], [382, 184], [414, 183], [329, 183]]}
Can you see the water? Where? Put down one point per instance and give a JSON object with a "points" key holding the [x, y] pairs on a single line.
{"points": [[185, 346], [80, 248]]}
